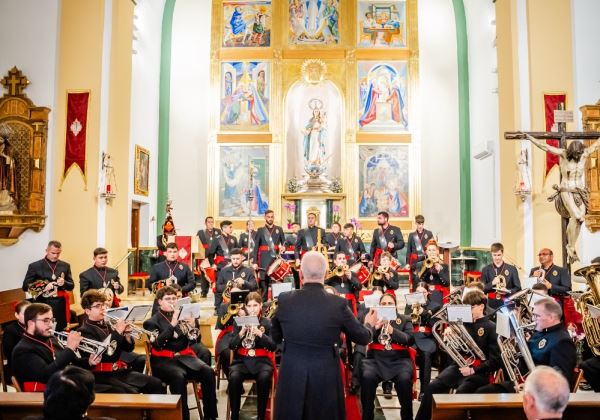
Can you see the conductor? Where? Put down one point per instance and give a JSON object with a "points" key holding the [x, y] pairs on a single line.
{"points": [[308, 322]]}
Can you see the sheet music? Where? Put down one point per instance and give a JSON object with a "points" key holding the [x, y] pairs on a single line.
{"points": [[503, 323], [190, 310], [535, 297], [528, 282], [460, 313], [594, 311], [183, 301], [371, 301], [138, 313], [386, 313], [243, 321], [412, 298], [120, 312], [278, 288]]}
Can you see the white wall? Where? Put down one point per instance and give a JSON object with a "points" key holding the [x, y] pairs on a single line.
{"points": [[438, 84], [586, 74], [34, 25], [485, 209], [190, 113], [145, 84]]}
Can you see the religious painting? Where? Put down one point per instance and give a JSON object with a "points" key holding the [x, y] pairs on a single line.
{"points": [[245, 94], [247, 24], [142, 171], [314, 22], [381, 24], [383, 180], [243, 181], [382, 91]]}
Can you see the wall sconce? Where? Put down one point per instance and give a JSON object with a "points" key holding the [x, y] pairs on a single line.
{"points": [[523, 185], [108, 188]]}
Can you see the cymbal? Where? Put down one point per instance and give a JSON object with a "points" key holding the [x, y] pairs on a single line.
{"points": [[463, 258]]}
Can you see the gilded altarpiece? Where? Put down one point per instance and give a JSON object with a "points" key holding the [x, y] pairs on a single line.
{"points": [[590, 115], [326, 91]]}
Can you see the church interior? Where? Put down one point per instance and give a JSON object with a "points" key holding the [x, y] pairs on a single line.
{"points": [[128, 124]]}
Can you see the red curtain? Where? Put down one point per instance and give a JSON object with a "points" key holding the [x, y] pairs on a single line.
{"points": [[77, 107], [551, 102], [185, 249]]}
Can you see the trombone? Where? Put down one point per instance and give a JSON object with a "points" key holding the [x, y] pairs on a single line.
{"points": [[338, 271], [137, 333], [87, 345]]}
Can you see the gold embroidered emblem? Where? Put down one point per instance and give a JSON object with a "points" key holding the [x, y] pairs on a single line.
{"points": [[542, 343], [398, 321], [243, 275], [480, 332], [426, 236], [356, 240], [506, 273], [276, 230], [555, 273], [181, 266]]}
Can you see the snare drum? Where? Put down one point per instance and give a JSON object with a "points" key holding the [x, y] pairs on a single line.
{"points": [[361, 271], [395, 264], [278, 270]]}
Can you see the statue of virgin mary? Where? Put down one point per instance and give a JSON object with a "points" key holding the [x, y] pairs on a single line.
{"points": [[315, 135]]}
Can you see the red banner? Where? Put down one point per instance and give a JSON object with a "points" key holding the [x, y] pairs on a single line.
{"points": [[185, 249], [77, 107], [550, 105]]}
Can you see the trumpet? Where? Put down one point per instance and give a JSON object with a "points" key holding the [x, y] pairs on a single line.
{"points": [[385, 338], [87, 345], [378, 275], [501, 284], [337, 271], [249, 337], [190, 331], [137, 333]]}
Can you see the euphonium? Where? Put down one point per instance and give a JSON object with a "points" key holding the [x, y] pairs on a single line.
{"points": [[232, 310], [137, 333], [86, 345], [459, 345], [384, 337], [591, 326], [338, 271], [514, 349]]}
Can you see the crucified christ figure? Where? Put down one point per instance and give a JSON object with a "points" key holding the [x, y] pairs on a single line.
{"points": [[571, 197]]}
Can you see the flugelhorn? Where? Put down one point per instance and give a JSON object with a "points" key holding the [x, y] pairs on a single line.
{"points": [[385, 338], [87, 345], [137, 333], [249, 338], [188, 330]]}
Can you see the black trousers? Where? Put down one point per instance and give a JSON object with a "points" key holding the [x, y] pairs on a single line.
{"points": [[202, 352], [370, 378], [176, 375], [357, 358], [128, 382], [265, 283], [424, 362], [224, 358], [204, 284], [237, 374], [447, 379], [591, 372]]}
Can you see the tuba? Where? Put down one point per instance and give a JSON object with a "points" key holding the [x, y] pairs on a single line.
{"points": [[513, 350], [459, 344], [591, 326], [521, 300]]}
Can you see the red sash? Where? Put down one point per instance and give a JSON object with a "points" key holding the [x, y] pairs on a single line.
{"points": [[378, 252], [109, 367], [220, 336], [171, 354], [33, 387], [65, 295], [412, 353], [261, 353], [352, 298], [425, 329], [219, 259]]}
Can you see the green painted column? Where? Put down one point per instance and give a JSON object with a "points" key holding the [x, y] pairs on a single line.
{"points": [[462, 51], [164, 104]]}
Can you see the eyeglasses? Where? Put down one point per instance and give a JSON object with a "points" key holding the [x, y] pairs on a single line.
{"points": [[46, 321], [535, 316], [543, 253], [100, 305]]}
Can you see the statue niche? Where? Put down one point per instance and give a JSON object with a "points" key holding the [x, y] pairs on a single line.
{"points": [[23, 136]]}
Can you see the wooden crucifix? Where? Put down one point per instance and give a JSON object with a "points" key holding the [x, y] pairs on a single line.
{"points": [[571, 196]]}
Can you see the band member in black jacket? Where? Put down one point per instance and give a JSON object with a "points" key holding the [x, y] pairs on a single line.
{"points": [[351, 245], [310, 384], [58, 275], [13, 332], [438, 275], [240, 276], [388, 359], [225, 326], [389, 278], [386, 238], [206, 236], [173, 360], [220, 247], [309, 237], [290, 251], [417, 241], [346, 285], [491, 277], [99, 276], [270, 241], [112, 373], [467, 379], [253, 359], [38, 355]]}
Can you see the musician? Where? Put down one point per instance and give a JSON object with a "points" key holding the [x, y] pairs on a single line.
{"points": [[225, 325], [346, 285], [270, 241], [58, 274], [545, 394], [206, 236], [490, 276], [173, 360], [221, 246], [550, 345], [12, 334], [555, 278], [332, 239], [389, 278], [99, 276], [422, 320], [308, 238], [438, 275], [386, 238], [417, 242], [69, 395], [171, 272], [38, 355], [467, 379], [389, 364], [113, 374], [253, 359], [309, 322], [248, 240], [240, 276], [290, 249], [163, 240], [351, 245]]}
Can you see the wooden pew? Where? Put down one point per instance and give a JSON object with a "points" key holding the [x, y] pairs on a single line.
{"points": [[16, 405], [583, 405]]}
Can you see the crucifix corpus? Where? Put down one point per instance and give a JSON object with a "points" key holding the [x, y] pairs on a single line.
{"points": [[571, 196]]}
